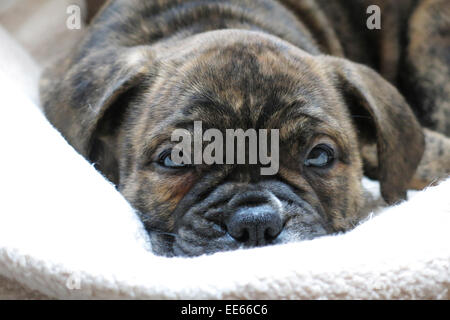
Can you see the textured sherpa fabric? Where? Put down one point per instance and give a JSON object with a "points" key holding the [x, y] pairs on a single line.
{"points": [[66, 233]]}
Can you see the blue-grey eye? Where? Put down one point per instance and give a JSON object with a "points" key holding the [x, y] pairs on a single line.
{"points": [[165, 160], [320, 156]]}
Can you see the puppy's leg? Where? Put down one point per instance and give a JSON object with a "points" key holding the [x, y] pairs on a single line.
{"points": [[434, 166], [426, 77]]}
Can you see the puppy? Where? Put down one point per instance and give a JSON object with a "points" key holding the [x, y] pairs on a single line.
{"points": [[147, 68]]}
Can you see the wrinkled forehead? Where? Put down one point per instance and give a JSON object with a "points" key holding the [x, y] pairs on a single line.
{"points": [[256, 77], [249, 57], [248, 80]]}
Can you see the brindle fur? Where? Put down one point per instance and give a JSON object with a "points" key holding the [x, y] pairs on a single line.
{"points": [[147, 67]]}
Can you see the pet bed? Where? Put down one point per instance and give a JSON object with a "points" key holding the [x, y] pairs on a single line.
{"points": [[66, 233]]}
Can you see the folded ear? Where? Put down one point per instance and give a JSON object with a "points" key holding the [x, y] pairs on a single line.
{"points": [[382, 116], [80, 94]]}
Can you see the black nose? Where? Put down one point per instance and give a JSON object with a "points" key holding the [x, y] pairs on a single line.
{"points": [[255, 226]]}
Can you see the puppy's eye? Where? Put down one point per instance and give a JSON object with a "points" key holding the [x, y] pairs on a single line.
{"points": [[165, 160], [321, 156]]}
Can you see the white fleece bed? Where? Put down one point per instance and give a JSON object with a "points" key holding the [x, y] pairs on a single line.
{"points": [[66, 233]]}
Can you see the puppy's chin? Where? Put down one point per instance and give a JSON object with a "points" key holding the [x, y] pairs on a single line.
{"points": [[205, 227], [189, 243]]}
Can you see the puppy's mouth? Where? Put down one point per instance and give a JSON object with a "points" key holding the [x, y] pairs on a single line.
{"points": [[235, 216]]}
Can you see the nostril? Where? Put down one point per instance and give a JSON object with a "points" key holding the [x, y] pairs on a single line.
{"points": [[245, 236], [255, 225], [271, 234]]}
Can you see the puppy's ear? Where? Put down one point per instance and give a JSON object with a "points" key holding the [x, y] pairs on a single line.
{"points": [[84, 98], [382, 116]]}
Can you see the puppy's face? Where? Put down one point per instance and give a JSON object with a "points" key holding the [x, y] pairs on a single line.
{"points": [[245, 80], [242, 84]]}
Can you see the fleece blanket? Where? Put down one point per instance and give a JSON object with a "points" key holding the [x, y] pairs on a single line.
{"points": [[66, 233]]}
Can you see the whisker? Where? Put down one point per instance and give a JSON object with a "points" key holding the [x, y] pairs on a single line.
{"points": [[362, 117], [162, 232]]}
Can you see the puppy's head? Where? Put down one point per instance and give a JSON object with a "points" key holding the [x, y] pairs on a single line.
{"points": [[119, 108]]}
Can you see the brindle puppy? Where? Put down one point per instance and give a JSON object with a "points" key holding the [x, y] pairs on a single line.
{"points": [[146, 68]]}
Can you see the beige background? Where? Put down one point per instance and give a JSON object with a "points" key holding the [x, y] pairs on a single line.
{"points": [[40, 26]]}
